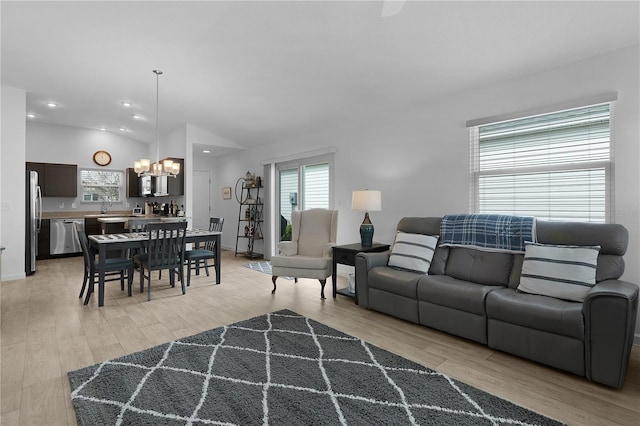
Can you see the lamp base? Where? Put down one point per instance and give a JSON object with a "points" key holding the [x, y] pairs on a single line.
{"points": [[366, 232]]}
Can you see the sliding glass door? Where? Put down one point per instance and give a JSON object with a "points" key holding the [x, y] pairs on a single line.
{"points": [[302, 185]]}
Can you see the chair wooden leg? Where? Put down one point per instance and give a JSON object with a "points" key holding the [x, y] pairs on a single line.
{"points": [[122, 280], [188, 273], [206, 267], [181, 278], [149, 287], [322, 283], [273, 279], [89, 290], [295, 280], [130, 280], [142, 278], [84, 282]]}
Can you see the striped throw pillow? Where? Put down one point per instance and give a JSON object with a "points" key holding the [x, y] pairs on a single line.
{"points": [[413, 251], [563, 272]]}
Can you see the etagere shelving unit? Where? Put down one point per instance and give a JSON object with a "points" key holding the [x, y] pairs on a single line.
{"points": [[250, 219]]}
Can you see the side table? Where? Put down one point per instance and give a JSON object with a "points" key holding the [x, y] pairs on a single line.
{"points": [[346, 255]]}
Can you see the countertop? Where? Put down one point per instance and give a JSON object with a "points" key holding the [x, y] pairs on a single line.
{"points": [[124, 219], [113, 216], [83, 214]]}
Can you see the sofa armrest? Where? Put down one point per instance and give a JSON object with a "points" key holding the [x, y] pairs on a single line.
{"points": [[610, 310], [364, 263]]}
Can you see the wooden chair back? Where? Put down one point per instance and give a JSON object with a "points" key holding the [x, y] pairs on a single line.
{"points": [[166, 245]]}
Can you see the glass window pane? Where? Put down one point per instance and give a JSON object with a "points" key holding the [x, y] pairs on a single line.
{"points": [[101, 185], [553, 166]]}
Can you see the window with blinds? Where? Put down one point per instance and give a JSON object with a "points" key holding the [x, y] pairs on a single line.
{"points": [[315, 184], [309, 183], [553, 166]]}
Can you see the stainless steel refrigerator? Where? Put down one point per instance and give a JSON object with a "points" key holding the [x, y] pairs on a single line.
{"points": [[34, 219]]}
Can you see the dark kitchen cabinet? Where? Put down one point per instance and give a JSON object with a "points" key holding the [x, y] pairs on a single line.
{"points": [[56, 180], [43, 240], [176, 185], [38, 167], [92, 226], [133, 183]]}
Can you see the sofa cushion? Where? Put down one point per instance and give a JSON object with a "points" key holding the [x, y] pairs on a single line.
{"points": [[488, 268], [447, 291], [394, 281], [536, 312], [413, 251], [565, 272]]}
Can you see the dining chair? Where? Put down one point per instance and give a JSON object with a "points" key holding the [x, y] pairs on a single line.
{"points": [[198, 257], [137, 225], [165, 250], [115, 267]]}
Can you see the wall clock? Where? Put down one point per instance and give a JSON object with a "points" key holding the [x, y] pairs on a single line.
{"points": [[102, 158]]}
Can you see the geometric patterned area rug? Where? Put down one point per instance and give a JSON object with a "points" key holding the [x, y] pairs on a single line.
{"points": [[279, 369], [264, 267]]}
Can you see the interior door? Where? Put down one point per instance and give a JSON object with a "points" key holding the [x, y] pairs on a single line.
{"points": [[201, 199]]}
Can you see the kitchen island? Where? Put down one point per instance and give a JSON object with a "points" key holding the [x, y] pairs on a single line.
{"points": [[119, 224]]}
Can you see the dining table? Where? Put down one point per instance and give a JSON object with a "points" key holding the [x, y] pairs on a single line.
{"points": [[102, 243]]}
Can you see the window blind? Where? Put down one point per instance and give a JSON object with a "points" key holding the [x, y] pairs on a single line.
{"points": [[315, 182], [554, 166]]}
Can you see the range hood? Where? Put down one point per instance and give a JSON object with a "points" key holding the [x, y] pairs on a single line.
{"points": [[161, 186], [154, 186]]}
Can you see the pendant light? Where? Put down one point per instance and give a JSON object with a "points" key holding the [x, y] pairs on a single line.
{"points": [[143, 167]]}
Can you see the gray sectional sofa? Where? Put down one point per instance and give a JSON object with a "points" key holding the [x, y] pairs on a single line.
{"points": [[473, 294]]}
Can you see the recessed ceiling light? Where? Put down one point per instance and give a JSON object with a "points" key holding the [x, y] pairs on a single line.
{"points": [[122, 129], [126, 104], [52, 104], [104, 129], [206, 151], [31, 115], [137, 117]]}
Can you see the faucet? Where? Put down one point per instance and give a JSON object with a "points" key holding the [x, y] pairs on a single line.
{"points": [[103, 209]]}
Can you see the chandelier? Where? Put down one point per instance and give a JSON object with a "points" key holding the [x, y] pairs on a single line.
{"points": [[143, 167]]}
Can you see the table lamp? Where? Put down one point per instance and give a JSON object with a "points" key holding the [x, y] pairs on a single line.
{"points": [[366, 201]]}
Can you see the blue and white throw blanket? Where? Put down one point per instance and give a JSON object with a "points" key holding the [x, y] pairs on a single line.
{"points": [[489, 232]]}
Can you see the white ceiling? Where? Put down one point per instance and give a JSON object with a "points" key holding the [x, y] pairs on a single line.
{"points": [[258, 72]]}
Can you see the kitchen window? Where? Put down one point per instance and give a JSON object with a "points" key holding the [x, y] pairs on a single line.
{"points": [[555, 166], [101, 185]]}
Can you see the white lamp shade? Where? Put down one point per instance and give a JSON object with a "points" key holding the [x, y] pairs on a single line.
{"points": [[175, 169], [168, 165], [366, 201], [145, 163]]}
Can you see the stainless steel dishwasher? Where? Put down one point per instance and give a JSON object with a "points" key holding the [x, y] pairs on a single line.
{"points": [[63, 238]]}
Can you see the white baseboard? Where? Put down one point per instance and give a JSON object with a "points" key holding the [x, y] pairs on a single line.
{"points": [[13, 277]]}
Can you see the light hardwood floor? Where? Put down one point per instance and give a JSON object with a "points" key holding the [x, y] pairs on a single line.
{"points": [[46, 332]]}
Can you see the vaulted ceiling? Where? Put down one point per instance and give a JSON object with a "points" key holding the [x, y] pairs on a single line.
{"points": [[258, 72]]}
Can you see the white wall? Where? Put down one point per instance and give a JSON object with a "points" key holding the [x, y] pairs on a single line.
{"points": [[12, 182], [419, 159], [50, 143]]}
